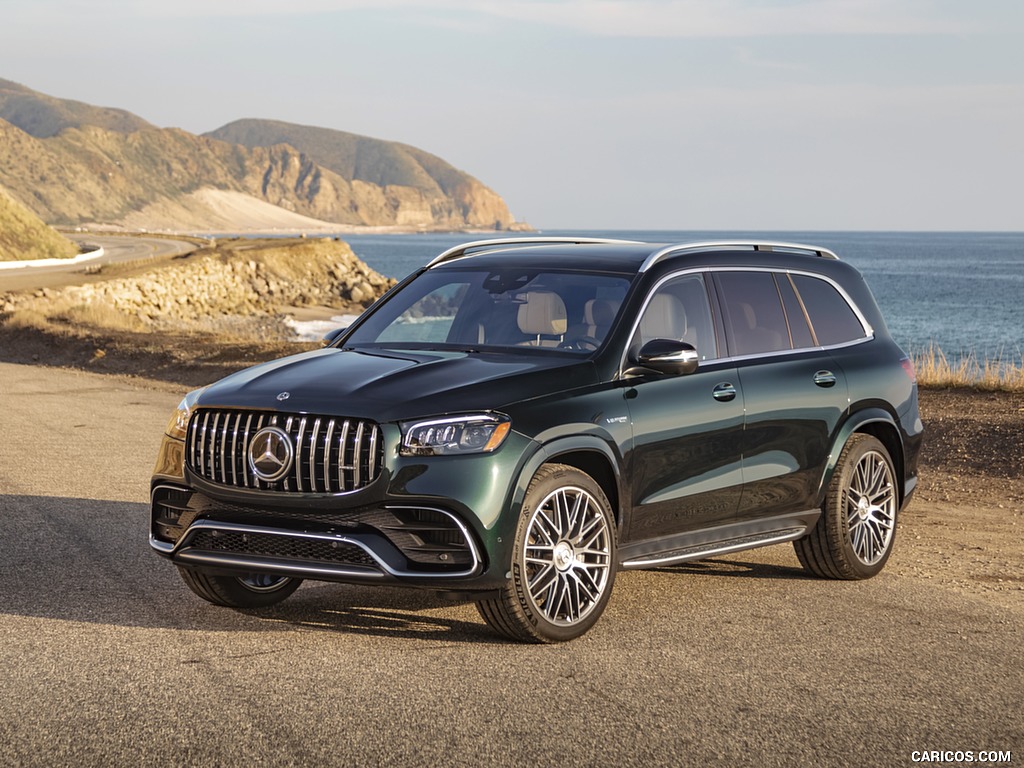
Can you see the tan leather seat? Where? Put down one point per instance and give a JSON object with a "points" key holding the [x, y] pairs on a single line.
{"points": [[542, 314], [664, 318], [751, 338], [597, 317]]}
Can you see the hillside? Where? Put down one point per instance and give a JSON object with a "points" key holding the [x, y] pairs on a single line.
{"points": [[43, 116], [73, 164], [453, 196], [23, 235]]}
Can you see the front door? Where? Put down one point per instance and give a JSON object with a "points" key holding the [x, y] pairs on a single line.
{"points": [[685, 465]]}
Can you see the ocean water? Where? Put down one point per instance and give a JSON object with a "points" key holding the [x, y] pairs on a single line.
{"points": [[962, 292]]}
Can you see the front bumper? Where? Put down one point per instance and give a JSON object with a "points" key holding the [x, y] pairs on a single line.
{"points": [[436, 522], [371, 543]]}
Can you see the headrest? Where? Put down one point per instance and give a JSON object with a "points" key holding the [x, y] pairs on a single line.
{"points": [[599, 312], [664, 318], [543, 313], [748, 315]]}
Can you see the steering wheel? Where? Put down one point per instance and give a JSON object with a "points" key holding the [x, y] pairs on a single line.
{"points": [[581, 342]]}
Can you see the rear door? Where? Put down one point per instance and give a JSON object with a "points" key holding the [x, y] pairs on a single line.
{"points": [[794, 394]]}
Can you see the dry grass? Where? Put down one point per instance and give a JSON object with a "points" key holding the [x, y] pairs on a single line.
{"points": [[934, 369]]}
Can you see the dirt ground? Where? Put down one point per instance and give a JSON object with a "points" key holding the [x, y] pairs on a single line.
{"points": [[964, 527]]}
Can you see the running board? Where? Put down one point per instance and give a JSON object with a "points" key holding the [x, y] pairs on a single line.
{"points": [[710, 542]]}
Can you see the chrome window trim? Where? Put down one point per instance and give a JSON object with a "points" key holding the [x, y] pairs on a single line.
{"points": [[869, 331], [647, 300]]}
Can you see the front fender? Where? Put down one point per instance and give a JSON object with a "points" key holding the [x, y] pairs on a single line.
{"points": [[572, 449]]}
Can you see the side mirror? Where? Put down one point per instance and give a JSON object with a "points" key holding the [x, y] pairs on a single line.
{"points": [[332, 335], [668, 356]]}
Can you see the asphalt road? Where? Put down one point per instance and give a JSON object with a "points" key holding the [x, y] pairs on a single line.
{"points": [[117, 249], [107, 659]]}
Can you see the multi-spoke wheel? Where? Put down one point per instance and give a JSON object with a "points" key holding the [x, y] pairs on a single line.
{"points": [[563, 563], [251, 590], [854, 536]]}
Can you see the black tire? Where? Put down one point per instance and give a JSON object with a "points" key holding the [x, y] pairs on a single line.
{"points": [[563, 560], [854, 536], [251, 590]]}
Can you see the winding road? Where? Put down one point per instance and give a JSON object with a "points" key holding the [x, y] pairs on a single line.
{"points": [[116, 249]]}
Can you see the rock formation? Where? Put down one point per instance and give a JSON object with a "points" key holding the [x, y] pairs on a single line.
{"points": [[73, 164]]}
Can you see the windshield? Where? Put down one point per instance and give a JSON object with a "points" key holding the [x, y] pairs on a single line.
{"points": [[465, 308]]}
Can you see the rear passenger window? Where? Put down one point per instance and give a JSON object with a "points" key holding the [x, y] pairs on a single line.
{"points": [[753, 312], [833, 320]]}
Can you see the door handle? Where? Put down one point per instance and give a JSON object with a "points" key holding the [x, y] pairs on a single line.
{"points": [[825, 378], [724, 392]]}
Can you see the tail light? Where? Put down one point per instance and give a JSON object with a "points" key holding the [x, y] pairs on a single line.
{"points": [[908, 368]]}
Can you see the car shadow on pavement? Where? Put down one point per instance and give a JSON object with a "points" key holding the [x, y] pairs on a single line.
{"points": [[736, 568], [88, 560]]}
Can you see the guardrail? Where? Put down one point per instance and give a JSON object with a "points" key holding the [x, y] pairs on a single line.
{"points": [[96, 253]]}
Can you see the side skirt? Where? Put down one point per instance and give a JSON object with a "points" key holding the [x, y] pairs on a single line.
{"points": [[720, 540]]}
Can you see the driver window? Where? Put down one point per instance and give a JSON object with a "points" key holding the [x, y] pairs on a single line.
{"points": [[679, 310]]}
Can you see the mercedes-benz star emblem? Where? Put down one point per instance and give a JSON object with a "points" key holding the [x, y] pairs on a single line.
{"points": [[271, 454], [284, 395]]}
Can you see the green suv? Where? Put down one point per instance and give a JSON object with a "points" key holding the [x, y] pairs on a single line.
{"points": [[521, 419]]}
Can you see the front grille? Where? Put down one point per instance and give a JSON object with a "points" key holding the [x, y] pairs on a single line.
{"points": [[331, 455], [288, 547]]}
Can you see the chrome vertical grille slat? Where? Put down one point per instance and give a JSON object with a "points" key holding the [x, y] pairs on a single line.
{"points": [[245, 459], [352, 450], [224, 450], [202, 441], [234, 449], [312, 455], [327, 456], [357, 455], [342, 443], [299, 445], [212, 471]]}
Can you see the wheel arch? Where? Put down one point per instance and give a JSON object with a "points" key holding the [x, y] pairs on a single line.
{"points": [[588, 454], [881, 425]]}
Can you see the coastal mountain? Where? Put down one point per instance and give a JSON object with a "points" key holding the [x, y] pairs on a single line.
{"points": [[44, 116], [23, 235], [74, 164], [365, 165]]}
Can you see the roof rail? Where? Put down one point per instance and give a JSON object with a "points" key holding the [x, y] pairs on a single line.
{"points": [[757, 245], [487, 245]]}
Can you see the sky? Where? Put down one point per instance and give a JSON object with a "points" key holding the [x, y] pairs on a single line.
{"points": [[595, 114]]}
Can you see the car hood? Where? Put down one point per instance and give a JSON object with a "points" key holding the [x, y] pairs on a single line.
{"points": [[391, 385]]}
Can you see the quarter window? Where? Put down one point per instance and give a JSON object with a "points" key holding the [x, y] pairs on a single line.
{"points": [[833, 320]]}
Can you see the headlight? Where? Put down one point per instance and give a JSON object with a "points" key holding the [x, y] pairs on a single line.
{"points": [[178, 425], [472, 433]]}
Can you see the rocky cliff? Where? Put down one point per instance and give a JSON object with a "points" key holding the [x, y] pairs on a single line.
{"points": [[344, 177], [74, 164], [238, 278]]}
